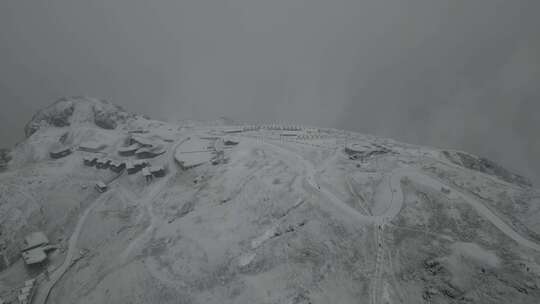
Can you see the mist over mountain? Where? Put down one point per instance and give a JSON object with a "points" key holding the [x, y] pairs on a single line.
{"points": [[453, 74]]}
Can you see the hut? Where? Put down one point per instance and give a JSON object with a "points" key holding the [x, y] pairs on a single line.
{"points": [[60, 152], [135, 166], [101, 187], [117, 166], [233, 130], [227, 141], [288, 134], [90, 161], [157, 170], [147, 175], [103, 163]]}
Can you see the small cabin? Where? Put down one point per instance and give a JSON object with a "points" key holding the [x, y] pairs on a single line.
{"points": [[227, 141], [117, 166], [147, 175], [157, 171], [103, 163], [288, 134], [101, 187], [135, 166], [233, 130], [59, 153], [90, 161]]}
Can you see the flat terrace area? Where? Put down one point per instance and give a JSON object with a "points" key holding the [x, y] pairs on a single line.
{"points": [[194, 152]]}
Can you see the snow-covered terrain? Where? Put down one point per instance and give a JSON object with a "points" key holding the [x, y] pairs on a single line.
{"points": [[231, 213]]}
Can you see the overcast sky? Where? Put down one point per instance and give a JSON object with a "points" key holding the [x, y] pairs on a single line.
{"points": [[463, 74]]}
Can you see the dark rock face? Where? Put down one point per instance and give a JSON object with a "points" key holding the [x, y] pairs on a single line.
{"points": [[105, 120], [486, 166], [4, 158], [57, 115]]}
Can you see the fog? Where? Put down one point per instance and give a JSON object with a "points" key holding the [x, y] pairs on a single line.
{"points": [[459, 73]]}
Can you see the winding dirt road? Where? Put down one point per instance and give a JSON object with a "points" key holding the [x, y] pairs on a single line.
{"points": [[394, 195]]}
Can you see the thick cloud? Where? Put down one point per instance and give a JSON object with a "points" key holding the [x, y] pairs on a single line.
{"points": [[462, 74]]}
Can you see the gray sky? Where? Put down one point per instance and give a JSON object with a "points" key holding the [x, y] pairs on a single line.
{"points": [[456, 73]]}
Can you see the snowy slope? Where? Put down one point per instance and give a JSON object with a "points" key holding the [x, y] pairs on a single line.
{"points": [[275, 219]]}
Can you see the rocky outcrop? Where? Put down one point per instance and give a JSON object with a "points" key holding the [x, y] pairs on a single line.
{"points": [[68, 111], [487, 166], [56, 115], [107, 118], [4, 158]]}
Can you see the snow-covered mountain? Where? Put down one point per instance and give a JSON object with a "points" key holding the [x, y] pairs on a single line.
{"points": [[230, 213]]}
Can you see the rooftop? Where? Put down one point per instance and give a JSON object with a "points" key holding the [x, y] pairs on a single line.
{"points": [[35, 239], [92, 145]]}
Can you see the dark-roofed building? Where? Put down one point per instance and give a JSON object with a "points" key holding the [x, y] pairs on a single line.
{"points": [[228, 141], [157, 170], [103, 163], [60, 152], [117, 166], [135, 166], [90, 161]]}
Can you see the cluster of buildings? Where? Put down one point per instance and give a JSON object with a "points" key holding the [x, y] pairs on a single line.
{"points": [[138, 146], [131, 166], [104, 163]]}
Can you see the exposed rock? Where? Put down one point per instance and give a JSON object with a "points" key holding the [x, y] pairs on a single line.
{"points": [[57, 115], [486, 166], [68, 111], [4, 158]]}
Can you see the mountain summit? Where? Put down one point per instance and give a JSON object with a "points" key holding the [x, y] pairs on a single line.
{"points": [[98, 205], [76, 110]]}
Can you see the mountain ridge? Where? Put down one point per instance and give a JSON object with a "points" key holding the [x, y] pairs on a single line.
{"points": [[267, 213]]}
